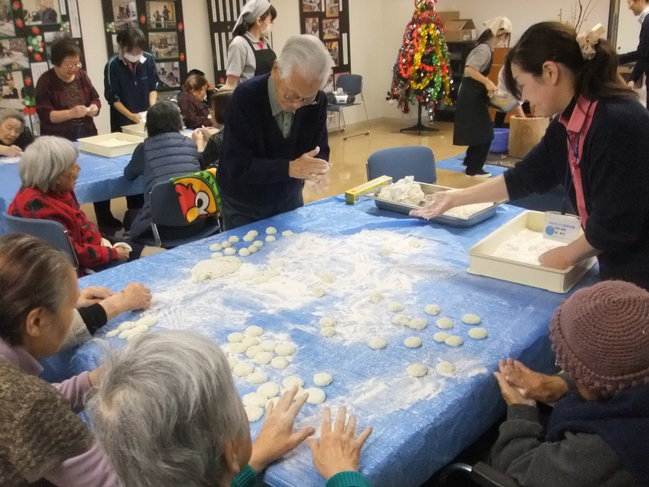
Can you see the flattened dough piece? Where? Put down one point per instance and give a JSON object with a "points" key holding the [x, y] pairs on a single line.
{"points": [[454, 341], [327, 332], [322, 379], [254, 413], [478, 333], [279, 363], [418, 324], [444, 323], [292, 380], [432, 309], [254, 331], [269, 389], [316, 396], [395, 306], [243, 369], [445, 368], [236, 337], [471, 319], [215, 268], [412, 342], [285, 348], [417, 370], [441, 336], [377, 343]]}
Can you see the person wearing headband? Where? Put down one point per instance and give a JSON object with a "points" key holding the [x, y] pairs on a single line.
{"points": [[596, 147], [473, 126], [249, 53], [640, 56]]}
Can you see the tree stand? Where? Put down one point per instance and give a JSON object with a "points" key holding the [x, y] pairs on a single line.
{"points": [[420, 127]]}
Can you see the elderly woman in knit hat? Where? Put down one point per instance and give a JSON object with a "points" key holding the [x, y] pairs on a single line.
{"points": [[598, 432], [249, 53]]}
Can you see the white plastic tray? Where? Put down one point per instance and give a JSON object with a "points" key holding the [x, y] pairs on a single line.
{"points": [[484, 263], [96, 144], [135, 129]]}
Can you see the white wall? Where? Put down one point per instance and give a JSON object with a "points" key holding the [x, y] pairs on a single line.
{"points": [[628, 30]]}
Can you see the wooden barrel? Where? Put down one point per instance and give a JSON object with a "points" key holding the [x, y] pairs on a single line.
{"points": [[525, 133]]}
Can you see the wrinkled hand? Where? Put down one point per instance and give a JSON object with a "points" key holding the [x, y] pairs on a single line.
{"points": [[78, 111], [93, 294], [338, 449], [511, 395], [437, 204], [555, 258], [276, 437], [13, 151], [308, 166], [531, 384], [93, 110], [135, 296], [123, 253]]}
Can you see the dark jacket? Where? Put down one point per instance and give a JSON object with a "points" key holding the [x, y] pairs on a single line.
{"points": [[615, 173], [255, 156], [195, 113], [158, 159], [211, 155], [641, 55]]}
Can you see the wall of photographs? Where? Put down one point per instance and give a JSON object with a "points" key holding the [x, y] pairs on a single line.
{"points": [[162, 24], [27, 30], [329, 20]]}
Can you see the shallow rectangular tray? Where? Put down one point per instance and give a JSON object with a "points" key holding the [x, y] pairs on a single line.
{"points": [[94, 146], [135, 129], [484, 263], [444, 219]]}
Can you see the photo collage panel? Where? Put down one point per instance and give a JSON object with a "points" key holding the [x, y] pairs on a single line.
{"points": [[329, 21]]}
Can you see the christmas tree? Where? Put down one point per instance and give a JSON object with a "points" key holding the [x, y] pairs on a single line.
{"points": [[422, 71]]}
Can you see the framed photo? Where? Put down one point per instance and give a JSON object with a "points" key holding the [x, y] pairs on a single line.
{"points": [[169, 74], [312, 26], [332, 8], [7, 28], [330, 28], [161, 15], [54, 35], [124, 13], [311, 5], [41, 12], [13, 54], [11, 90], [332, 47], [163, 45]]}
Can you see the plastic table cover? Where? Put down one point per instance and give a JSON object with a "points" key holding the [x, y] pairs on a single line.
{"points": [[352, 254]]}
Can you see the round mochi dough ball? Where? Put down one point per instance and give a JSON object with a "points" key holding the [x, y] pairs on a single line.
{"points": [[268, 345], [253, 351], [249, 341], [270, 238], [323, 379], [318, 292], [215, 247], [254, 413], [445, 368], [444, 323], [216, 255], [441, 336], [471, 319], [417, 370], [254, 233], [432, 309], [244, 252], [376, 297], [254, 331], [328, 278], [279, 363], [257, 377], [478, 333], [258, 243], [401, 320], [268, 389], [412, 342], [252, 249], [243, 369], [454, 341], [226, 244], [418, 324], [287, 233], [248, 237], [233, 239], [395, 306], [316, 396], [237, 347], [254, 399], [328, 332], [327, 322], [271, 231], [285, 348], [291, 381], [263, 358], [377, 343], [236, 337], [230, 251]]}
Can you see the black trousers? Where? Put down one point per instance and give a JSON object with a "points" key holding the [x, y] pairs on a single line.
{"points": [[102, 208], [236, 213], [476, 156]]}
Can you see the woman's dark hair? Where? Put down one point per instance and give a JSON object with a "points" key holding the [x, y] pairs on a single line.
{"points": [[484, 37], [557, 42], [245, 27], [194, 82], [163, 117], [131, 37], [195, 71], [63, 48], [219, 103], [32, 275]]}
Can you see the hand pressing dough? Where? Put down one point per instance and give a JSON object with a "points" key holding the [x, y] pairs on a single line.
{"points": [[395, 307], [441, 336], [285, 348], [401, 320], [471, 319], [412, 342], [254, 413], [215, 247], [233, 239], [279, 363], [444, 323], [254, 331], [316, 396], [263, 358], [291, 381], [271, 231], [327, 332], [257, 377], [418, 324], [230, 251], [244, 252], [478, 333], [270, 238], [254, 399], [376, 297], [268, 345], [445, 368], [454, 341], [417, 370], [327, 322], [377, 343], [322, 379], [268, 389], [215, 268], [243, 369], [432, 309]]}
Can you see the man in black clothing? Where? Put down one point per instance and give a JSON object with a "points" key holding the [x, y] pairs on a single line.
{"points": [[640, 56]]}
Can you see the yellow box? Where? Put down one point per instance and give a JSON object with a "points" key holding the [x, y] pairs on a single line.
{"points": [[352, 195]]}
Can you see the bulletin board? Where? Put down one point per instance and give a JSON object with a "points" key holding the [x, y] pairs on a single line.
{"points": [[27, 30], [163, 26], [223, 16]]}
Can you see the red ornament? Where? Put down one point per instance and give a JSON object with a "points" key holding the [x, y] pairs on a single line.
{"points": [[37, 57], [19, 23], [30, 48], [142, 19], [180, 26], [182, 56], [32, 110], [16, 6], [36, 30], [42, 44], [221, 80], [28, 81]]}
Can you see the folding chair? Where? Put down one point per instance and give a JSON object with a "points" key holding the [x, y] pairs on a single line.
{"points": [[399, 162], [351, 84], [480, 474]]}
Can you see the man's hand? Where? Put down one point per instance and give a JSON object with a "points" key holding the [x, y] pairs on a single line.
{"points": [[277, 437], [437, 204], [78, 111], [12, 151], [93, 294], [307, 166], [135, 296], [338, 449], [531, 384]]}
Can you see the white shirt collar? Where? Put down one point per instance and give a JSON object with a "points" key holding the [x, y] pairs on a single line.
{"points": [[642, 16]]}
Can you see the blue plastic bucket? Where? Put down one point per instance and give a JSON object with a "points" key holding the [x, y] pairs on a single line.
{"points": [[501, 141]]}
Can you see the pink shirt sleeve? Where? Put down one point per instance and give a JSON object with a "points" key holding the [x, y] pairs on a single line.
{"points": [[90, 468], [74, 389]]}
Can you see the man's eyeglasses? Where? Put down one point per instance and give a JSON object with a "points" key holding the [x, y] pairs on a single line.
{"points": [[73, 65], [302, 101]]}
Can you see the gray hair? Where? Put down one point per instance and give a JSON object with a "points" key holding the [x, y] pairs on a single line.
{"points": [[15, 114], [306, 55], [165, 409], [45, 160]]}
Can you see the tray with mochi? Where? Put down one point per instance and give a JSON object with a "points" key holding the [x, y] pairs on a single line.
{"points": [[110, 145], [407, 194]]}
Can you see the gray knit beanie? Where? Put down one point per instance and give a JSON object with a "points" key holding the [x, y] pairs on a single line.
{"points": [[601, 336]]}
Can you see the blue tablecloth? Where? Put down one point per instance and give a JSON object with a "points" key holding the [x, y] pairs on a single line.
{"points": [[352, 252], [101, 178]]}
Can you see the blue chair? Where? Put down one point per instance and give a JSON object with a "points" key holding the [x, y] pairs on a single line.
{"points": [[399, 162], [49, 230], [351, 84], [168, 225]]}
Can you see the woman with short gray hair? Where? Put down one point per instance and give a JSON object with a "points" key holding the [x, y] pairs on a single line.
{"points": [[15, 136], [49, 172], [171, 393]]}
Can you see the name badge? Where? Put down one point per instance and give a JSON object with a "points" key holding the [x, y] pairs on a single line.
{"points": [[564, 228]]}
